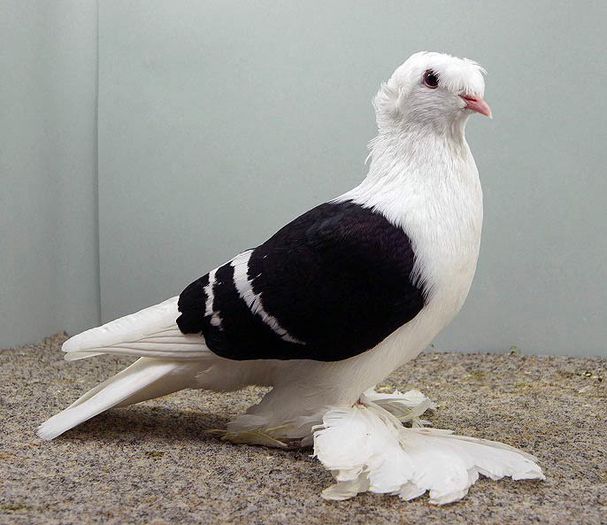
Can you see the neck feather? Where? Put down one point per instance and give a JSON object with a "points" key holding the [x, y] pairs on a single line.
{"points": [[413, 160], [415, 148]]}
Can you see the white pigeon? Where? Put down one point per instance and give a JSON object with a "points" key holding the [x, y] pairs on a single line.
{"points": [[334, 302]]}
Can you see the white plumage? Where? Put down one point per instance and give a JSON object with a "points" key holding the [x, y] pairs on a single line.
{"points": [[422, 201], [367, 448]]}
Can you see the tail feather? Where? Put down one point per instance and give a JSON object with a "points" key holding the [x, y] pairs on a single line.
{"points": [[169, 361], [134, 327], [144, 379], [151, 332]]}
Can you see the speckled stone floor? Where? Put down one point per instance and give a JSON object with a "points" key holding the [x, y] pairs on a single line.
{"points": [[156, 463]]}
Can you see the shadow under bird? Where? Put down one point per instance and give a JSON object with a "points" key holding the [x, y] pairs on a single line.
{"points": [[334, 302]]}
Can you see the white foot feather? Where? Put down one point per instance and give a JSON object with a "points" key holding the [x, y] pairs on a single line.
{"points": [[367, 448]]}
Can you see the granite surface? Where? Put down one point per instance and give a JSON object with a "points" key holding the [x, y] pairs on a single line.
{"points": [[157, 463]]}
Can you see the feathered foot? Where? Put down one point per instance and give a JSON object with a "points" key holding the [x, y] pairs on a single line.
{"points": [[257, 436], [367, 448], [253, 429]]}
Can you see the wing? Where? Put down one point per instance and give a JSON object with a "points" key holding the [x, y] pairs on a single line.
{"points": [[330, 285]]}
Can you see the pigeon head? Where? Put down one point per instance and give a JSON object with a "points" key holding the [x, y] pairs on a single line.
{"points": [[431, 90]]}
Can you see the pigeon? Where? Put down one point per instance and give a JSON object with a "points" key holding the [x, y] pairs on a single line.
{"points": [[331, 304]]}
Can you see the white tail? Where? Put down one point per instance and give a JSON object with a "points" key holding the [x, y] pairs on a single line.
{"points": [[165, 365], [144, 379], [151, 332]]}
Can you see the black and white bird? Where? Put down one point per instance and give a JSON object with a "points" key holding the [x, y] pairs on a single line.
{"points": [[334, 302]]}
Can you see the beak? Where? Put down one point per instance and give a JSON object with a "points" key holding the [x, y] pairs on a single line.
{"points": [[477, 104]]}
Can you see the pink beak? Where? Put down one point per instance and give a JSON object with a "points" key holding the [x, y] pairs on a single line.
{"points": [[477, 104]]}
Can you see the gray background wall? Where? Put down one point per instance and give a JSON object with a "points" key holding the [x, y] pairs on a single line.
{"points": [[48, 169], [220, 121]]}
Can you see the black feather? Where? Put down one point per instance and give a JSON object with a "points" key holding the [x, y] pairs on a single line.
{"points": [[338, 279]]}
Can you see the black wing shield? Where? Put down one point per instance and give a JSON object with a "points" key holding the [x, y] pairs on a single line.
{"points": [[330, 285]]}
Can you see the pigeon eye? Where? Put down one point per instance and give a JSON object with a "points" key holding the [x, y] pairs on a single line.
{"points": [[430, 79]]}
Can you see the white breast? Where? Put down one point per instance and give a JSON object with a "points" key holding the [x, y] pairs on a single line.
{"points": [[445, 225], [438, 203], [437, 200]]}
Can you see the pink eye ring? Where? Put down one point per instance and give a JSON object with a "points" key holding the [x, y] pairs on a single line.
{"points": [[430, 79]]}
